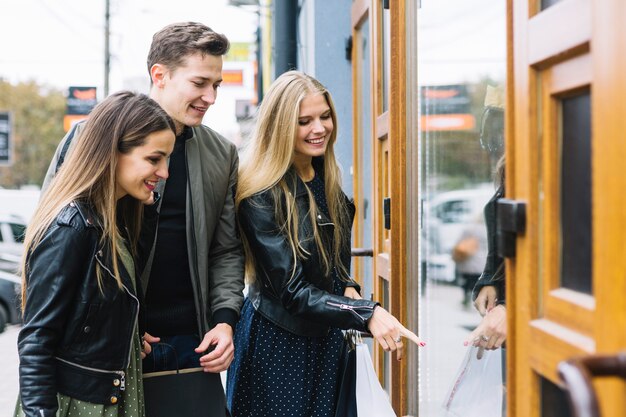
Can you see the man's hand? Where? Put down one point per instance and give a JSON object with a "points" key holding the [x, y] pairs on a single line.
{"points": [[218, 360], [146, 344], [486, 299]]}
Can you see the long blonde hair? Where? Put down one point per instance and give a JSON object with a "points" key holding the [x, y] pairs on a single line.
{"points": [[115, 126], [268, 158]]}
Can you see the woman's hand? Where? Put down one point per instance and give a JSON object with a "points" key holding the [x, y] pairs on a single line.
{"points": [[388, 331], [491, 332], [486, 299], [146, 340], [351, 292]]}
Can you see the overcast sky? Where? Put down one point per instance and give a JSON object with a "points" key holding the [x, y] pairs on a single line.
{"points": [[61, 42], [461, 40]]}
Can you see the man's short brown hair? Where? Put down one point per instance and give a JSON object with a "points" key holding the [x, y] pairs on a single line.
{"points": [[175, 42]]}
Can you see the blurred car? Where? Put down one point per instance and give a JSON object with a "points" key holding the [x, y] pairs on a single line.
{"points": [[446, 215], [12, 230], [10, 291]]}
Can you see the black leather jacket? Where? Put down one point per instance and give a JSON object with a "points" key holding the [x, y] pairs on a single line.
{"points": [[304, 304], [493, 273], [76, 339]]}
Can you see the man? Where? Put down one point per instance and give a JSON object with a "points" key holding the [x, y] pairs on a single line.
{"points": [[193, 275]]}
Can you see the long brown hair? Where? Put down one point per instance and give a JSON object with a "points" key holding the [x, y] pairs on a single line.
{"points": [[269, 156], [115, 126]]}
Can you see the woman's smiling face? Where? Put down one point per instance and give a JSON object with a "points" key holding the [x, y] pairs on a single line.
{"points": [[315, 126], [139, 170]]}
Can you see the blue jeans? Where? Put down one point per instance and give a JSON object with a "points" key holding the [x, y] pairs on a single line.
{"points": [[173, 351]]}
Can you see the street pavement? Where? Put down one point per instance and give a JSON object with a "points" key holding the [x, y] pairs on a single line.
{"points": [[444, 325], [9, 385]]}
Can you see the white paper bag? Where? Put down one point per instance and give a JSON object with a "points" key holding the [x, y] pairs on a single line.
{"points": [[371, 398], [478, 389]]}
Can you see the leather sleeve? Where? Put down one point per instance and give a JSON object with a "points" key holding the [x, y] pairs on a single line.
{"points": [[55, 268], [346, 255], [493, 272], [354, 285], [277, 269]]}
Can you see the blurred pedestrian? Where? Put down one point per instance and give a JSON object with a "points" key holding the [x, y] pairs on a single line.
{"points": [[469, 254], [296, 225], [80, 347]]}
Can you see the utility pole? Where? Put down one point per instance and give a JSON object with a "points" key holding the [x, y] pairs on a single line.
{"points": [[285, 34], [107, 52]]}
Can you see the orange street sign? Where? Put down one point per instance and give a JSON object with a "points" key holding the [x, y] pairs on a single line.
{"points": [[232, 77], [442, 122]]}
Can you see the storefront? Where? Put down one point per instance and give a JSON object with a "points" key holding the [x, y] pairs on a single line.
{"points": [[442, 89]]}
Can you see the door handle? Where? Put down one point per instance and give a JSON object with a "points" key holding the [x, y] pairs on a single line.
{"points": [[577, 377], [510, 222], [362, 252]]}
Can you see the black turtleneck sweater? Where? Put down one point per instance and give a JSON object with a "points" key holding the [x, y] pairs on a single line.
{"points": [[169, 297]]}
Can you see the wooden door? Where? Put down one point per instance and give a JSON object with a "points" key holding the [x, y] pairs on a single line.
{"points": [[566, 287], [379, 165]]}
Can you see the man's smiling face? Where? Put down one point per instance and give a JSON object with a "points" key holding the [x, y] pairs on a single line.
{"points": [[187, 92]]}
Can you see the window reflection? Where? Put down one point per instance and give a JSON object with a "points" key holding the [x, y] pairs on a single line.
{"points": [[548, 3], [462, 69]]}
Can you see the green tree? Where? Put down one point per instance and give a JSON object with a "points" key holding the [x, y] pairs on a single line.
{"points": [[37, 129]]}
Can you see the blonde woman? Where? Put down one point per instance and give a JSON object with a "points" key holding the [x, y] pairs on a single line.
{"points": [[295, 222], [80, 349]]}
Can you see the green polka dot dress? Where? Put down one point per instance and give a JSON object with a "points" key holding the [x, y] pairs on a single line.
{"points": [[131, 403]]}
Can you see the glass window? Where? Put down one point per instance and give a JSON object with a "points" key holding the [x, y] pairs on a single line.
{"points": [[461, 60], [365, 157], [386, 25], [548, 3], [553, 400], [576, 231]]}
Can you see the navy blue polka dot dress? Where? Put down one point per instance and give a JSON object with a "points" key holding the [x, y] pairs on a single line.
{"points": [[277, 373]]}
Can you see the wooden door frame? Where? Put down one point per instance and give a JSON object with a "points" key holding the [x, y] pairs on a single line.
{"points": [[398, 148], [609, 149], [536, 50], [359, 12], [390, 124]]}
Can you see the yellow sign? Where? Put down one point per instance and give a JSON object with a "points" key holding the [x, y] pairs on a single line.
{"points": [[240, 52]]}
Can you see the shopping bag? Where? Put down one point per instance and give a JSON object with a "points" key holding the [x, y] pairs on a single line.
{"points": [[184, 393], [478, 389], [371, 398], [465, 249], [346, 390]]}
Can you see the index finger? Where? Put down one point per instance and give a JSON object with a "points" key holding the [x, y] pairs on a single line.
{"points": [[474, 335], [411, 336]]}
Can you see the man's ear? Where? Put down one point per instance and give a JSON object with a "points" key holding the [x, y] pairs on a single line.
{"points": [[157, 74]]}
